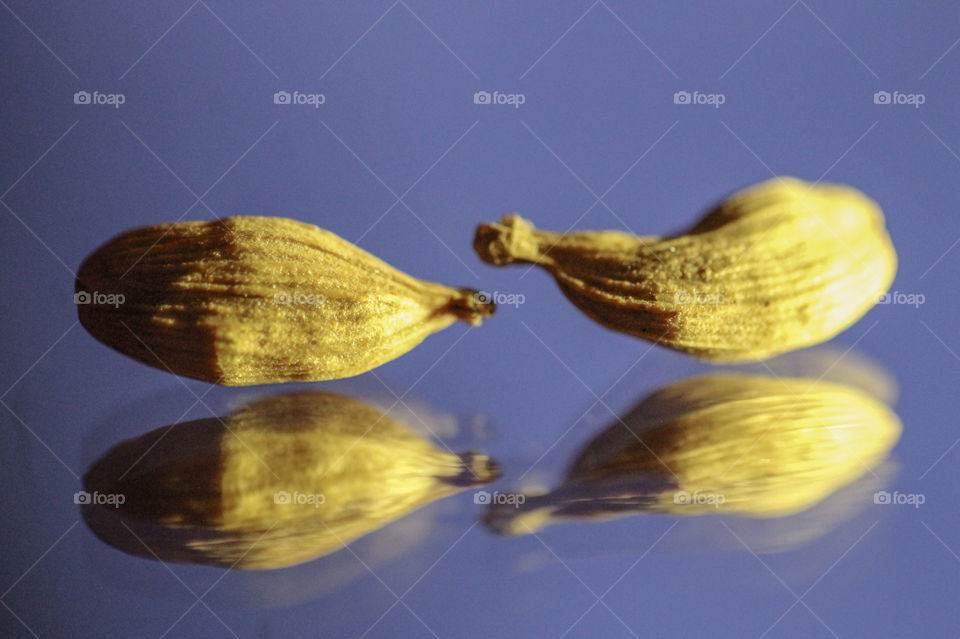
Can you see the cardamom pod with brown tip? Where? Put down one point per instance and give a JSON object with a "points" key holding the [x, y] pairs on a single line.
{"points": [[281, 481], [780, 265], [734, 444], [255, 300]]}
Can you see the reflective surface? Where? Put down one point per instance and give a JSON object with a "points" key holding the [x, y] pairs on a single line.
{"points": [[404, 159]]}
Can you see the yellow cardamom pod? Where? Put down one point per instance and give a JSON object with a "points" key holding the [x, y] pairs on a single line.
{"points": [[735, 444], [780, 265], [254, 300], [281, 481]]}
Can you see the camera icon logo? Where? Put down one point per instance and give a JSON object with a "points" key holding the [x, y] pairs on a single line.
{"points": [[681, 97], [881, 97], [481, 97], [881, 497], [681, 497], [82, 297], [281, 97], [281, 497], [482, 297], [81, 97], [481, 497], [82, 497]]}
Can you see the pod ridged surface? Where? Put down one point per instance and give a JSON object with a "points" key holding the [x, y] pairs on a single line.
{"points": [[253, 300], [778, 266]]}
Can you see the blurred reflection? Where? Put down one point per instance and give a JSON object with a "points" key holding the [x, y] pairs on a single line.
{"points": [[735, 444], [781, 534], [278, 482], [832, 363]]}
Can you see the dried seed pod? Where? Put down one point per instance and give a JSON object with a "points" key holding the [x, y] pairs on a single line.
{"points": [[254, 300], [736, 444], [780, 265], [281, 481]]}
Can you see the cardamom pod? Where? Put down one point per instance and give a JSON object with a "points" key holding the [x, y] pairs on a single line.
{"points": [[778, 266], [254, 300], [280, 481], [735, 444]]}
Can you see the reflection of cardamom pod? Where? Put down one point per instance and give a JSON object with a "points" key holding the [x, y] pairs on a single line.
{"points": [[778, 266], [755, 446], [279, 482], [252, 300]]}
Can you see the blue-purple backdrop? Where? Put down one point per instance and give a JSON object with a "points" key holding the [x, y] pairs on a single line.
{"points": [[119, 114]]}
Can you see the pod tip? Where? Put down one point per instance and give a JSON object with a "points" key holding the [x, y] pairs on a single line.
{"points": [[476, 469], [505, 242], [510, 519], [472, 306]]}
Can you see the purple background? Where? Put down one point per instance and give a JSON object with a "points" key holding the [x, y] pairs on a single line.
{"points": [[400, 160]]}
